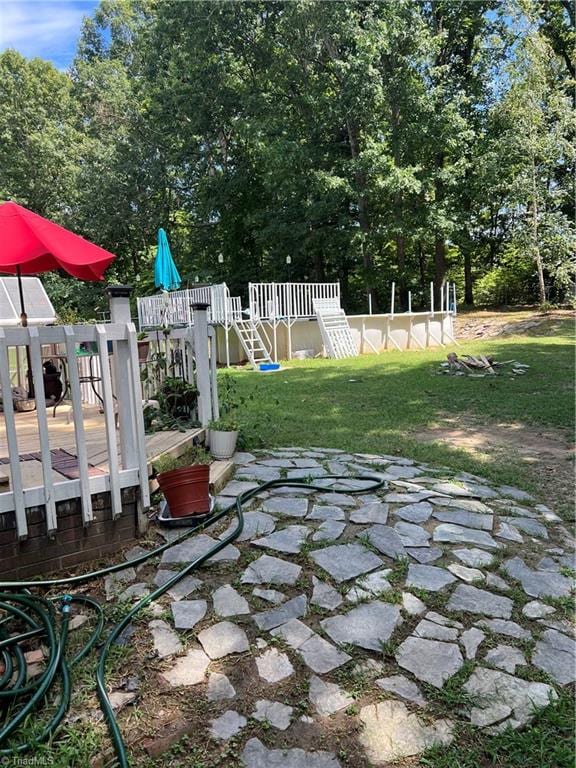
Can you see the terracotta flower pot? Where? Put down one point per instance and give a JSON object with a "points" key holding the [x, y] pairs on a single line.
{"points": [[143, 350], [186, 490]]}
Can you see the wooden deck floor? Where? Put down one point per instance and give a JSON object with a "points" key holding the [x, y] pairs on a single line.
{"points": [[61, 434]]}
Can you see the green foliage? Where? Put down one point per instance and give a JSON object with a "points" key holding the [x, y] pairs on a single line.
{"points": [[224, 425], [193, 456], [381, 141]]}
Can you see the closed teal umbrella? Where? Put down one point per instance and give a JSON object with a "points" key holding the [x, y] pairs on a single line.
{"points": [[166, 275]]}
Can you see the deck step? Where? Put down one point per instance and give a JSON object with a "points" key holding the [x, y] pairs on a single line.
{"points": [[220, 473]]}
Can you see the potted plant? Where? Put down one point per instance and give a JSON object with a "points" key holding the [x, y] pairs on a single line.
{"points": [[178, 398], [222, 436], [143, 347], [184, 480]]}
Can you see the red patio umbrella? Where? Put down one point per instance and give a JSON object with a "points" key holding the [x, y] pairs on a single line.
{"points": [[30, 244]]}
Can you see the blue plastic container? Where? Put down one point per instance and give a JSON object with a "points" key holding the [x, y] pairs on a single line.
{"points": [[269, 366]]}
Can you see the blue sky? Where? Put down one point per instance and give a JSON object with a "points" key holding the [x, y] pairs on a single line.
{"points": [[45, 28]]}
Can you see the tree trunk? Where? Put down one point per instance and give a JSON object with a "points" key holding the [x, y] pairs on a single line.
{"points": [[439, 267], [422, 267], [319, 267], [439, 239], [535, 233], [363, 216], [401, 260], [468, 287]]}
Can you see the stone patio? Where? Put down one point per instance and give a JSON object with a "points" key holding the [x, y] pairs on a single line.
{"points": [[334, 616]]}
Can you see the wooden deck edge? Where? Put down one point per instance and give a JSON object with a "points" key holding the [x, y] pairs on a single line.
{"points": [[191, 438], [220, 473]]}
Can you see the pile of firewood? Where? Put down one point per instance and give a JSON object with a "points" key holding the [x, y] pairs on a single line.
{"points": [[478, 366]]}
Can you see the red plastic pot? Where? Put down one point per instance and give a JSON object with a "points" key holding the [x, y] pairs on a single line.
{"points": [[186, 490]]}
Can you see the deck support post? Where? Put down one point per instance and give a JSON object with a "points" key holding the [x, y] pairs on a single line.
{"points": [[119, 296], [202, 356]]}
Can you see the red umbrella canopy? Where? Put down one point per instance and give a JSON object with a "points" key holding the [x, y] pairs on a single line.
{"points": [[30, 244]]}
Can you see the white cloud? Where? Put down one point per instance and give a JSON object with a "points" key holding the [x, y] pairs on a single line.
{"points": [[45, 28]]}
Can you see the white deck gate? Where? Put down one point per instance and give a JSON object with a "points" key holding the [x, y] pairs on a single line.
{"points": [[118, 362]]}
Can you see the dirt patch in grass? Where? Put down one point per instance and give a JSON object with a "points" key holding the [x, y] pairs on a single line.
{"points": [[486, 324], [549, 452]]}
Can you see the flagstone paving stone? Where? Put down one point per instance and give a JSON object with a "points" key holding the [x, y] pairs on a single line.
{"points": [[367, 626], [228, 602], [256, 523], [415, 513], [431, 661], [503, 627], [222, 639], [273, 712], [326, 512], [555, 654], [538, 583], [377, 512], [391, 732], [329, 530], [291, 609], [286, 506], [195, 547], [288, 540], [324, 595], [471, 639], [466, 574], [369, 586], [345, 561], [219, 687], [466, 519], [227, 725], [503, 700], [256, 755], [449, 527], [402, 687], [187, 613], [457, 534], [386, 540], [505, 657], [412, 535], [271, 570], [327, 698], [166, 641], [425, 555], [270, 595], [428, 577], [475, 558], [274, 666], [188, 670], [474, 600]]}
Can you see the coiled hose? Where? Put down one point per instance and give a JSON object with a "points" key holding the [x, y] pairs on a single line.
{"points": [[19, 697]]}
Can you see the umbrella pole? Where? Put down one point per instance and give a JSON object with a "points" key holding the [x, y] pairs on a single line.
{"points": [[24, 324]]}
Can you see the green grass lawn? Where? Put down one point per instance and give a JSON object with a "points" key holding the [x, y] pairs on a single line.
{"points": [[379, 403]]}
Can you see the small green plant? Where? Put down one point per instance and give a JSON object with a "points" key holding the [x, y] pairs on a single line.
{"points": [[224, 425], [193, 456]]}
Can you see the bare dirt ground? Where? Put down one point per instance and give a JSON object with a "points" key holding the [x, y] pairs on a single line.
{"points": [[489, 323], [549, 451]]}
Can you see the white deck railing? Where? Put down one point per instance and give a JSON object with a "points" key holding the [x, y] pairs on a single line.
{"points": [[289, 301], [119, 371], [173, 309]]}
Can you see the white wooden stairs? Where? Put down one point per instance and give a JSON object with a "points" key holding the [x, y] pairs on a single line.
{"points": [[335, 329], [252, 342]]}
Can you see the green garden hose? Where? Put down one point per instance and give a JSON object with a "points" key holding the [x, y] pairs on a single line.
{"points": [[36, 616]]}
